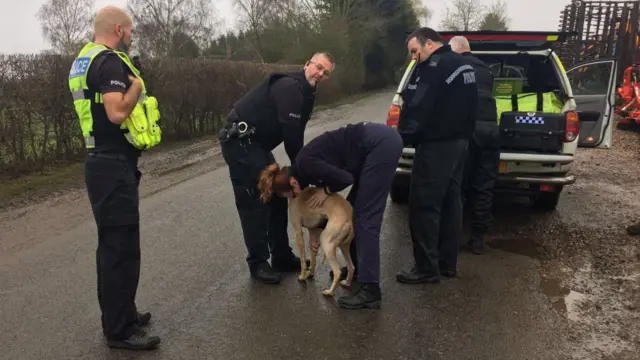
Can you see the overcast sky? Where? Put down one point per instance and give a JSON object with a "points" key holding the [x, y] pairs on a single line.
{"points": [[20, 30]]}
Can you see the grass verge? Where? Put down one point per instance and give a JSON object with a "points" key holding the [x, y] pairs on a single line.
{"points": [[53, 181]]}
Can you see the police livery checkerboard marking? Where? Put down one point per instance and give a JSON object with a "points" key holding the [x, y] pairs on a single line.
{"points": [[538, 120]]}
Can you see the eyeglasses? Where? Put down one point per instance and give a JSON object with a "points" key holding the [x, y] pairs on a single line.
{"points": [[325, 72]]}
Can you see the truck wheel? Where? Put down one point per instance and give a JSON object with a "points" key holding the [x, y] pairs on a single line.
{"points": [[399, 194], [547, 201]]}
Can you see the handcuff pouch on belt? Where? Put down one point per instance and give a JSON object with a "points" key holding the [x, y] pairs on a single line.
{"points": [[235, 130]]}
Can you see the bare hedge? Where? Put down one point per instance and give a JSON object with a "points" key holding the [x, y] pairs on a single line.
{"points": [[38, 126]]}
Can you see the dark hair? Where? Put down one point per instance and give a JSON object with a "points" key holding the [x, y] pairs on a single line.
{"points": [[423, 34], [274, 179]]}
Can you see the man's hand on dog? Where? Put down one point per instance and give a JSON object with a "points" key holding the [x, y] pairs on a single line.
{"points": [[317, 199]]}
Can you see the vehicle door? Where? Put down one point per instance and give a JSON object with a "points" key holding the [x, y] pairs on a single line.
{"points": [[593, 84]]}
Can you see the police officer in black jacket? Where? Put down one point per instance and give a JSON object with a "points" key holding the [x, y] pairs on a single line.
{"points": [[275, 111], [438, 118], [481, 168]]}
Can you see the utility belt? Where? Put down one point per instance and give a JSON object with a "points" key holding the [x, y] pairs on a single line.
{"points": [[108, 156], [114, 156], [236, 129]]}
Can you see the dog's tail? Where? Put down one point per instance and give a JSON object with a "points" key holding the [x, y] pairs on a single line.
{"points": [[347, 228]]}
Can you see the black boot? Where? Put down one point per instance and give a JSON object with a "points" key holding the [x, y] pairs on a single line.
{"points": [[140, 340], [367, 296], [475, 245], [415, 276], [263, 272], [634, 229], [142, 320]]}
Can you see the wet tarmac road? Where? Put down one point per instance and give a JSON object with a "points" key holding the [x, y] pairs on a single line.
{"points": [[195, 282]]}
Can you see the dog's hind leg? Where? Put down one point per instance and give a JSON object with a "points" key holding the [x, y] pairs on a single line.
{"points": [[314, 237], [346, 253], [329, 247], [350, 268]]}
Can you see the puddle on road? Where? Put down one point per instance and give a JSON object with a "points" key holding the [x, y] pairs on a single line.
{"points": [[523, 246], [562, 298], [556, 293]]}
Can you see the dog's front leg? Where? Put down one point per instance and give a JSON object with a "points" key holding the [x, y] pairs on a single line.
{"points": [[304, 273], [314, 244]]}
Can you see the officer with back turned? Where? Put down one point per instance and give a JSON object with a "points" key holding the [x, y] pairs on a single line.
{"points": [[276, 111], [483, 162], [110, 96], [438, 118]]}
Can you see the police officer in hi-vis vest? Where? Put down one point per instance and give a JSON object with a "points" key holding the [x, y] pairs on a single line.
{"points": [[118, 121]]}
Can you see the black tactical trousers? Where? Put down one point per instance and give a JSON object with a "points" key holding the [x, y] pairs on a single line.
{"points": [[264, 226], [481, 172], [435, 205], [112, 184], [368, 196]]}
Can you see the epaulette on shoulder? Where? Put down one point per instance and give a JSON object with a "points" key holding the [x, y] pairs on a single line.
{"points": [[435, 59]]}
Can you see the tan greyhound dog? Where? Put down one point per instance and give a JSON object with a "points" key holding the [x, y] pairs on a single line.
{"points": [[336, 212]]}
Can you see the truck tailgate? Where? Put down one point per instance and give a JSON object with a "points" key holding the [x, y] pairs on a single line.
{"points": [[532, 132]]}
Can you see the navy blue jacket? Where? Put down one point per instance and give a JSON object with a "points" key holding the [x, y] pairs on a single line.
{"points": [[333, 159], [441, 100]]}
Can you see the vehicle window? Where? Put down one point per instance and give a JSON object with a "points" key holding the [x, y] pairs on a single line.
{"points": [[521, 73], [509, 77], [591, 79]]}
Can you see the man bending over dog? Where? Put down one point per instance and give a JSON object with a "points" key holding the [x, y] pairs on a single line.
{"points": [[365, 156], [276, 111]]}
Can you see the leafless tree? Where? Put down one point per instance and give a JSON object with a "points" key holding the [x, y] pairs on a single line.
{"points": [[160, 22], [465, 15], [66, 24], [423, 12]]}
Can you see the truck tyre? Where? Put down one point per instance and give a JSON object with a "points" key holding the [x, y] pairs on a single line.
{"points": [[399, 193], [547, 201]]}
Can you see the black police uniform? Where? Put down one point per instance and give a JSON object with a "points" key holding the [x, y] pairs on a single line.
{"points": [[481, 168], [438, 119], [363, 156], [275, 111], [112, 179]]}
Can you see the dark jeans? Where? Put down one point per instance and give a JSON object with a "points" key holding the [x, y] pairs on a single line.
{"points": [[264, 226], [435, 205], [368, 196], [481, 172], [112, 186]]}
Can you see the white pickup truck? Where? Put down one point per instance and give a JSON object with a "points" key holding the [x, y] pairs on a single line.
{"points": [[535, 158]]}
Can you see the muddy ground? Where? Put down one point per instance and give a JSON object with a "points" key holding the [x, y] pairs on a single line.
{"points": [[589, 268], [595, 266]]}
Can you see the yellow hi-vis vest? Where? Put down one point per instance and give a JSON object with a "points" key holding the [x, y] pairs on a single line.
{"points": [[140, 128]]}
